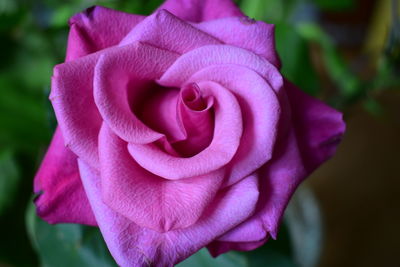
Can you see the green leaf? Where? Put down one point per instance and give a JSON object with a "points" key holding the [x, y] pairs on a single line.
{"points": [[296, 61], [348, 82], [9, 179], [204, 259], [275, 253], [67, 244]]}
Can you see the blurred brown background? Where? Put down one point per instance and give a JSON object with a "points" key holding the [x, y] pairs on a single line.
{"points": [[359, 189]]}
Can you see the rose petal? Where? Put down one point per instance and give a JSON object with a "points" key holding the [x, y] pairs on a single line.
{"points": [[157, 109], [72, 100], [201, 10], [219, 247], [249, 231], [132, 245], [260, 110], [227, 134], [61, 198], [125, 74], [255, 36], [196, 115], [209, 55], [312, 137], [163, 29], [146, 199], [98, 28], [318, 127]]}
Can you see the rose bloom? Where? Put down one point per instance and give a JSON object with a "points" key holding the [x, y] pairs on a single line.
{"points": [[177, 131]]}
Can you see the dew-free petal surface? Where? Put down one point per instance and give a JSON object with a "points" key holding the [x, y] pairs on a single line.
{"points": [[201, 10], [260, 110], [209, 55], [72, 99], [226, 140], [132, 245], [308, 135], [255, 36], [146, 199], [318, 127], [60, 195], [98, 28], [219, 247], [163, 29], [123, 74]]}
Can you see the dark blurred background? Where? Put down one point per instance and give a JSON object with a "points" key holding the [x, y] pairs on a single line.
{"points": [[345, 52]]}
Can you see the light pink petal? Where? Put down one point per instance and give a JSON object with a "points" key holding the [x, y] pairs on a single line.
{"points": [[260, 110], [60, 194], [124, 74], [201, 10], [308, 135], [209, 55], [217, 248], [132, 245], [226, 140], [146, 199], [249, 231], [72, 100], [164, 30], [256, 36], [98, 28]]}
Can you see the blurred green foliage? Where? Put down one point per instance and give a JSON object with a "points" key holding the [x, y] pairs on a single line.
{"points": [[33, 38]]}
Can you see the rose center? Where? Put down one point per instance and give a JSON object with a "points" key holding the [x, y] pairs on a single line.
{"points": [[184, 116]]}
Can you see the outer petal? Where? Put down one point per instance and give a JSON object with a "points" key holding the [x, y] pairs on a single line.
{"points": [[219, 247], [132, 245], [319, 128], [202, 10], [124, 74], [209, 55], [61, 198], [148, 200], [98, 28], [308, 135], [163, 29], [72, 100], [255, 36]]}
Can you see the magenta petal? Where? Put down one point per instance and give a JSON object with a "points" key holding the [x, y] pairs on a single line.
{"points": [[202, 10], [249, 231], [163, 29], [260, 110], [197, 118], [210, 55], [255, 36], [123, 74], [146, 199], [226, 140], [60, 194], [98, 28], [72, 99], [313, 133], [132, 245], [220, 247], [319, 128]]}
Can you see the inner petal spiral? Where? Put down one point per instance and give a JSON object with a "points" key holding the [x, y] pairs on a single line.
{"points": [[184, 116]]}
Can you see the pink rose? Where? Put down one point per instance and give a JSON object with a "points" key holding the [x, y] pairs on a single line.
{"points": [[177, 131]]}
